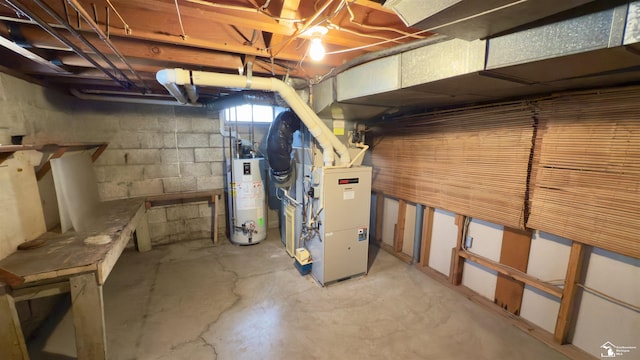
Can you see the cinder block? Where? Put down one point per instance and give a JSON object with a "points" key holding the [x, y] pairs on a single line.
{"points": [[208, 154], [209, 182], [157, 215], [119, 173], [206, 210], [216, 140], [179, 184], [145, 187], [178, 212], [204, 126], [161, 171], [217, 168], [112, 190], [112, 157], [173, 124], [198, 224], [139, 123], [171, 156], [170, 141], [195, 169], [142, 156], [193, 140]]}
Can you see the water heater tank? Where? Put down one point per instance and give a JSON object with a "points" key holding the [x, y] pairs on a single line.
{"points": [[248, 219]]}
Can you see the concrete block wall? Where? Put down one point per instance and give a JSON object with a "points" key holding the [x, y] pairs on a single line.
{"points": [[152, 149]]}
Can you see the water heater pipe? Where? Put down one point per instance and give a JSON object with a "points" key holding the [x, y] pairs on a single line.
{"points": [[170, 78]]}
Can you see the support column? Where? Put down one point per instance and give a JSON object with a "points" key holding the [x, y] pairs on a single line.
{"points": [[88, 317], [12, 345]]}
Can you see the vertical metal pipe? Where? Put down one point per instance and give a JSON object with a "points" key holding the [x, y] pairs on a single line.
{"points": [[417, 236]]}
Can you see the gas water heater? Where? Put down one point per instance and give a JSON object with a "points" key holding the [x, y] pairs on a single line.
{"points": [[247, 201]]}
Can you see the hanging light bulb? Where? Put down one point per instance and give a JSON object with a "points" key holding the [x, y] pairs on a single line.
{"points": [[316, 49]]}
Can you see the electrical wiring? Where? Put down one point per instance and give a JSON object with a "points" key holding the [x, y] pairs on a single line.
{"points": [[183, 34], [610, 298], [339, 28], [127, 29], [374, 44], [352, 19]]}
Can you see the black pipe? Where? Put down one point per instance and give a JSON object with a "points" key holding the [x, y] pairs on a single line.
{"points": [[279, 140]]}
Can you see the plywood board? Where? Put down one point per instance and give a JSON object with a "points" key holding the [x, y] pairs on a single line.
{"points": [[76, 189], [21, 217], [11, 235], [515, 253]]}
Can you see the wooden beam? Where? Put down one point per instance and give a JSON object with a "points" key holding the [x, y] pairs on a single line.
{"points": [[400, 255], [512, 273], [427, 231], [12, 344], [457, 262], [398, 239], [41, 291], [516, 244], [47, 165], [568, 304], [88, 317]]}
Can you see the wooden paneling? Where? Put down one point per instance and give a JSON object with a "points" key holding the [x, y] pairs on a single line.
{"points": [[585, 175], [514, 253], [427, 231], [472, 161]]}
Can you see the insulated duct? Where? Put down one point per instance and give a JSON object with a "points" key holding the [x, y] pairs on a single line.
{"points": [[171, 79], [279, 140]]}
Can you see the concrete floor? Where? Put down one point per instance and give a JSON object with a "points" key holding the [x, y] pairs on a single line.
{"points": [[191, 300]]}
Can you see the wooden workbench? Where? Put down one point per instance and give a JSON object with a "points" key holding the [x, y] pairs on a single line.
{"points": [[67, 263]]}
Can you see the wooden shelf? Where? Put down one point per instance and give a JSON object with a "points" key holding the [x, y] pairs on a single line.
{"points": [[56, 150], [8, 150]]}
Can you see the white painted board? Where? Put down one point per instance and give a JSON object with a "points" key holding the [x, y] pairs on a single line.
{"points": [[21, 217], [76, 190], [443, 239]]}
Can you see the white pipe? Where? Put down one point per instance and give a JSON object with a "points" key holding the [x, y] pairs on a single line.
{"points": [[192, 93], [328, 142], [132, 100], [169, 80]]}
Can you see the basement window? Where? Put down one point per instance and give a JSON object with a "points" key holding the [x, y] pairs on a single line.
{"points": [[251, 113]]}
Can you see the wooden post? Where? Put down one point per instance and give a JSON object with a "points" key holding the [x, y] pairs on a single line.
{"points": [[457, 263], [516, 244], [568, 305], [214, 211], [88, 317], [143, 240], [12, 344], [427, 230], [398, 239]]}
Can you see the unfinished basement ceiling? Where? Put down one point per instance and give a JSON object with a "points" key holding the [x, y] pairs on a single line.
{"points": [[115, 47], [220, 36]]}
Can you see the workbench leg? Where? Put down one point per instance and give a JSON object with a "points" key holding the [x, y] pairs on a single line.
{"points": [[12, 345], [143, 240], [88, 317]]}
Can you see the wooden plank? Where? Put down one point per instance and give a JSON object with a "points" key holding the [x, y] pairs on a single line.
{"points": [[512, 273], [531, 329], [54, 260], [12, 344], [457, 262], [143, 240], [41, 291], [568, 304], [108, 261], [427, 231], [400, 255], [215, 221], [47, 165], [181, 198], [400, 225], [516, 244], [88, 317], [379, 214], [96, 154]]}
